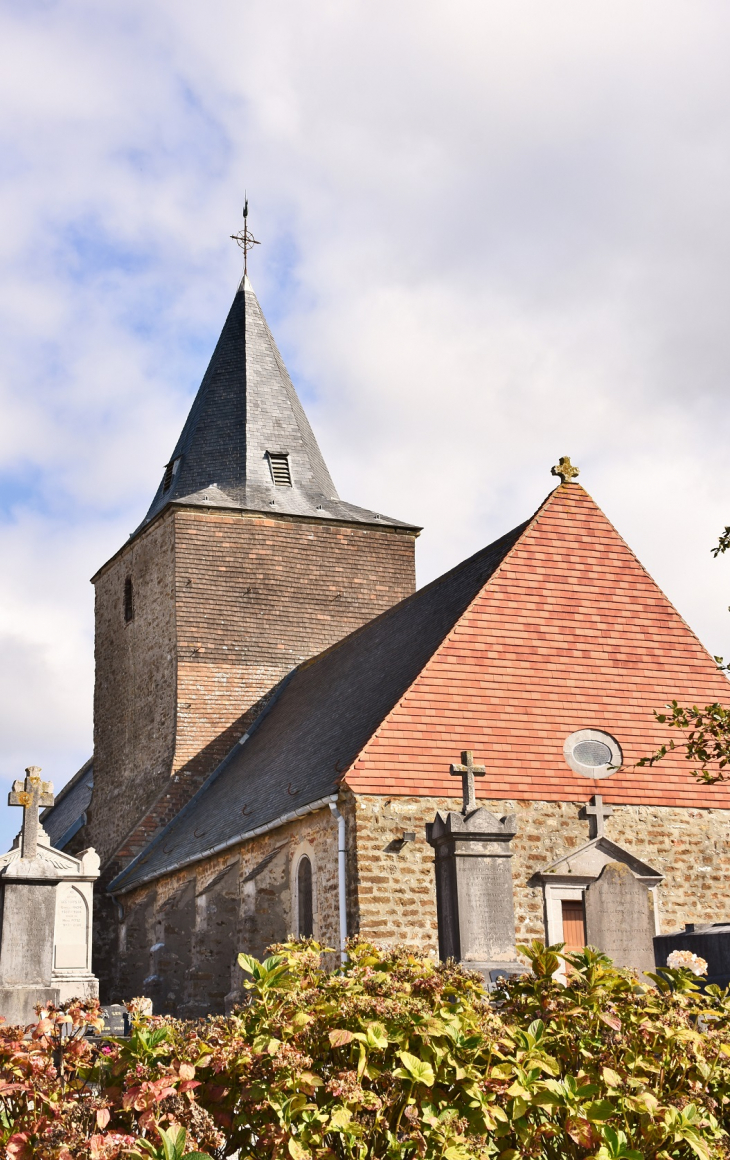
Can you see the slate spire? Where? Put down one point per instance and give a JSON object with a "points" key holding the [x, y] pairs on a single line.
{"points": [[247, 443]]}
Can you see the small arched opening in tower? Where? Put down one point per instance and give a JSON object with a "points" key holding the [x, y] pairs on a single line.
{"points": [[128, 600], [305, 924]]}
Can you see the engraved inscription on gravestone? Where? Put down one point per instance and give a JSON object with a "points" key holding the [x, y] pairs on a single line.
{"points": [[116, 1020], [72, 923]]}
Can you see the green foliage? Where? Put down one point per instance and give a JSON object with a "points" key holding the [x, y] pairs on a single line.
{"points": [[706, 741], [393, 1057], [171, 1146]]}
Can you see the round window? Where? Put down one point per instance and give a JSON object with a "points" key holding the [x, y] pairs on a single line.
{"points": [[593, 753]]}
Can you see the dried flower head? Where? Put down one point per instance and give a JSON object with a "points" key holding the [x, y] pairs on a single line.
{"points": [[687, 960]]}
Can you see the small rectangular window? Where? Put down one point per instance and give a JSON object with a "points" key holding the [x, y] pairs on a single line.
{"points": [[280, 471], [128, 600]]}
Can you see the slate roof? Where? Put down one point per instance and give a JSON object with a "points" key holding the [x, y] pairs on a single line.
{"points": [[247, 406], [66, 817], [324, 714]]}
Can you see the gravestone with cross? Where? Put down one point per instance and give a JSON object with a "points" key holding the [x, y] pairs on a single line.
{"points": [[45, 923], [474, 892]]}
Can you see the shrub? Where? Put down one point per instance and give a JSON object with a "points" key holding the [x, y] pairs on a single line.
{"points": [[392, 1056]]}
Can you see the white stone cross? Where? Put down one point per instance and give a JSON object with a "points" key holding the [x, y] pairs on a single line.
{"points": [[31, 794], [597, 814], [468, 771]]}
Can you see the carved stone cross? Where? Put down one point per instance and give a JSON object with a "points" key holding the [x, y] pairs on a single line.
{"points": [[32, 794], [564, 468], [597, 814], [468, 771]]}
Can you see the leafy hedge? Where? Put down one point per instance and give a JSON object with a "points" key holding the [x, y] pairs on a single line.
{"points": [[394, 1056]]}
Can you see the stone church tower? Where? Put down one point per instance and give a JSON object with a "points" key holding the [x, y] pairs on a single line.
{"points": [[246, 564]]}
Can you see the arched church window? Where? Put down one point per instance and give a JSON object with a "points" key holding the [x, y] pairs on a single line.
{"points": [[305, 925]]}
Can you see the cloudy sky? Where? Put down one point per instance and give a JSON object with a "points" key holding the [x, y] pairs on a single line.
{"points": [[492, 234]]}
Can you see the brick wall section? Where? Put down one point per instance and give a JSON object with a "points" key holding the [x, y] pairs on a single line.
{"points": [[396, 897], [265, 914], [226, 604], [569, 633]]}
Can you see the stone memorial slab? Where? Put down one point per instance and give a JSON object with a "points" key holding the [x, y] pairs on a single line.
{"points": [[474, 892], [45, 916], [620, 917]]}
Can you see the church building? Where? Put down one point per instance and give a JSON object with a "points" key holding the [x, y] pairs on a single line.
{"points": [[290, 739]]}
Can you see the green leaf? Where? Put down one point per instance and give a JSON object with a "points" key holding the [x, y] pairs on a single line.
{"points": [[340, 1118], [173, 1142], [377, 1036], [248, 963], [421, 1072], [296, 1151], [599, 1110]]}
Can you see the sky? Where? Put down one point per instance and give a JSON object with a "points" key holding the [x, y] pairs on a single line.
{"points": [[492, 234]]}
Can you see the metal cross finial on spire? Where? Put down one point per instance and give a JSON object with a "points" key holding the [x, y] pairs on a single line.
{"points": [[564, 468], [244, 237], [467, 771], [31, 795]]}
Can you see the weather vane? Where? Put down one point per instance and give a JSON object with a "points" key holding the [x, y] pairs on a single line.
{"points": [[245, 238]]}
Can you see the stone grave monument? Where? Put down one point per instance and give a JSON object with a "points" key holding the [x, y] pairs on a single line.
{"points": [[45, 913], [474, 893], [620, 917]]}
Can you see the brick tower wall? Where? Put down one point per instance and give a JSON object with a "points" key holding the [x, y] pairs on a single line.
{"points": [[225, 605]]}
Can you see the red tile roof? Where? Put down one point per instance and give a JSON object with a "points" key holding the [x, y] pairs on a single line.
{"points": [[570, 632]]}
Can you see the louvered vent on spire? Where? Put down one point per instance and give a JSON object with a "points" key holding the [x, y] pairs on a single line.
{"points": [[280, 473]]}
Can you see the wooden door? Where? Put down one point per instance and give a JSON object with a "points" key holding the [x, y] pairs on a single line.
{"points": [[574, 925]]}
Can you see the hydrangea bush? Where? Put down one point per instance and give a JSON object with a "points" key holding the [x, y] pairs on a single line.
{"points": [[392, 1057]]}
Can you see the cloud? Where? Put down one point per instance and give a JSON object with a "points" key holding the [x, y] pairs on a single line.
{"points": [[491, 234]]}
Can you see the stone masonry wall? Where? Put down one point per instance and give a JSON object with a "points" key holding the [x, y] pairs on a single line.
{"points": [[134, 692], [179, 936], [226, 604], [396, 898]]}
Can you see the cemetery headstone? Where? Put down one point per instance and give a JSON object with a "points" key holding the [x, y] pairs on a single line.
{"points": [[117, 1021], [474, 891], [45, 909], [620, 917]]}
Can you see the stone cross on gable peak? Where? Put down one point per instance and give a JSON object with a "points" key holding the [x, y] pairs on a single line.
{"points": [[597, 814], [32, 794], [467, 771], [565, 469]]}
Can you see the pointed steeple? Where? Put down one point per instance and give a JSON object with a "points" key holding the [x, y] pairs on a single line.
{"points": [[247, 443]]}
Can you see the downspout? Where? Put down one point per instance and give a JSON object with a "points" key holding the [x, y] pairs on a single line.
{"points": [[341, 879]]}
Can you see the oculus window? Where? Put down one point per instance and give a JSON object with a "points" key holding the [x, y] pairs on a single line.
{"points": [[593, 753]]}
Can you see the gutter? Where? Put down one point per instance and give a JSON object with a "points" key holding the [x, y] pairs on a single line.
{"points": [[280, 821], [341, 877]]}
